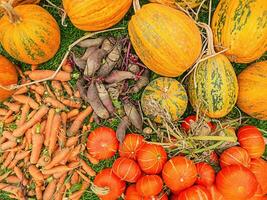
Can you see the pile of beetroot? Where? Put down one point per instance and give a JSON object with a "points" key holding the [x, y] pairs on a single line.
{"points": [[143, 170]]}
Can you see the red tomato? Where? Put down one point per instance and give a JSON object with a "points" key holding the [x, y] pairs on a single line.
{"points": [[259, 168], [236, 182], [251, 139], [215, 193], [187, 123], [131, 145], [107, 179], [179, 173], [151, 158], [235, 156], [102, 143], [195, 192], [206, 174], [149, 185], [126, 169]]}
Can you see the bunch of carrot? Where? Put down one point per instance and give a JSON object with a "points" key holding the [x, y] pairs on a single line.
{"points": [[42, 145]]}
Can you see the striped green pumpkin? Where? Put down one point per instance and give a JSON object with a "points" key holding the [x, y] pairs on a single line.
{"points": [[164, 97], [213, 87]]}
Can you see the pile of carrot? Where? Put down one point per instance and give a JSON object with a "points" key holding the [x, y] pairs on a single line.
{"points": [[42, 141]]}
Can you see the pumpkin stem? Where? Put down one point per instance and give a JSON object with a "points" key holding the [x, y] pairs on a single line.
{"points": [[211, 50], [99, 190], [13, 16], [136, 5]]}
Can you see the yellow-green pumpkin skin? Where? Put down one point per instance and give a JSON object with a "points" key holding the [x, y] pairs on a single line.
{"points": [[34, 39], [165, 95], [165, 39], [253, 90], [241, 27], [213, 87], [95, 15], [182, 3]]}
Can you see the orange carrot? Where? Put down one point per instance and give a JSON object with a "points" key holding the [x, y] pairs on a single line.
{"points": [[2, 140], [4, 156], [50, 190], [67, 67], [38, 97], [18, 157], [87, 168], [54, 133], [8, 145], [67, 88], [71, 103], [20, 72], [20, 175], [31, 114], [36, 118], [64, 120], [75, 152], [48, 126], [60, 187], [34, 67], [26, 100], [57, 169], [3, 185], [12, 180], [78, 194], [39, 89], [72, 113], [77, 94], [24, 112], [28, 137], [44, 160], [9, 136], [8, 160], [43, 74], [50, 92], [76, 125], [10, 119], [83, 176], [9, 113], [12, 106], [93, 160], [58, 158], [43, 124], [72, 141], [39, 192], [21, 90], [35, 173], [4, 176], [56, 85], [62, 138], [37, 143], [3, 112], [74, 164], [74, 178], [54, 103]]}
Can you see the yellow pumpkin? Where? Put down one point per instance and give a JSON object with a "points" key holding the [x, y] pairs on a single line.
{"points": [[164, 97], [182, 3], [253, 90], [165, 39], [8, 76], [94, 15], [241, 27], [29, 33]]}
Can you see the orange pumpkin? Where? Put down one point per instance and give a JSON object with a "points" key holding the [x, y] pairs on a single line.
{"points": [[8, 76], [94, 15], [165, 39], [253, 90], [259, 168], [35, 35], [182, 3]]}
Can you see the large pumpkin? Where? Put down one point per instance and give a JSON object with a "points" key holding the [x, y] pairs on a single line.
{"points": [[35, 35], [183, 3], [164, 97], [94, 15], [240, 26], [213, 87], [8, 76], [253, 90], [165, 39]]}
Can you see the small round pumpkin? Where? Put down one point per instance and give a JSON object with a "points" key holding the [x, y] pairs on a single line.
{"points": [[8, 76], [214, 192], [179, 173], [195, 192], [95, 15], [35, 35], [126, 169], [165, 39], [252, 83], [235, 156], [149, 185], [231, 25], [182, 3], [213, 87], [259, 168], [236, 182], [164, 96], [206, 174]]}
